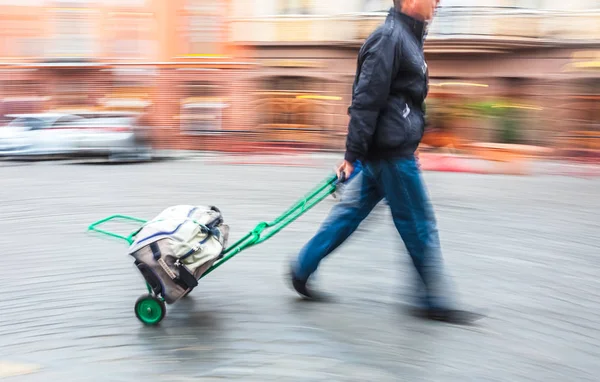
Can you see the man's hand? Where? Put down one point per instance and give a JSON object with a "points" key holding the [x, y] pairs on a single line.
{"points": [[347, 168]]}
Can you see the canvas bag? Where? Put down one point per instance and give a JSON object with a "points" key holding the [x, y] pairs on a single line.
{"points": [[175, 248]]}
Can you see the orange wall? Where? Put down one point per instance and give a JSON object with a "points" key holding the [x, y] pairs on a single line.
{"points": [[158, 26], [17, 23]]}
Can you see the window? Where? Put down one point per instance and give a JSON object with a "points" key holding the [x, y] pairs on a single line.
{"points": [[202, 108], [203, 23], [297, 110], [295, 7], [281, 104], [131, 36], [202, 118], [73, 33], [128, 95]]}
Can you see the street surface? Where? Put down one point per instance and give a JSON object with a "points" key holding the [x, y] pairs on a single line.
{"points": [[524, 249]]}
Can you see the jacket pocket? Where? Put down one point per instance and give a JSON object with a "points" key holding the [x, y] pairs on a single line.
{"points": [[392, 126], [413, 133]]}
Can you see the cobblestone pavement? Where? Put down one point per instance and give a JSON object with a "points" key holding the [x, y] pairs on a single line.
{"points": [[525, 249]]}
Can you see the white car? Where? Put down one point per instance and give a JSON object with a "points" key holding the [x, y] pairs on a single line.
{"points": [[114, 135], [38, 134], [98, 134]]}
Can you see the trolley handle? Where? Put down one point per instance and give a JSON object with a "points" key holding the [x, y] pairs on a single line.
{"points": [[129, 239], [259, 234]]}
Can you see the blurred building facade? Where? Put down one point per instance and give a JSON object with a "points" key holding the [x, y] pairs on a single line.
{"points": [[265, 74], [515, 71], [172, 61]]}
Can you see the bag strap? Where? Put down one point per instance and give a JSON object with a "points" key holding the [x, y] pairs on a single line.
{"points": [[186, 277], [155, 250]]}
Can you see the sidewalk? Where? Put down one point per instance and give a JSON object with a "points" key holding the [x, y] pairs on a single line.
{"points": [[428, 161]]}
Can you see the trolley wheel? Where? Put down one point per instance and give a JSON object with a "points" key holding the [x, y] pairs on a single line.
{"points": [[150, 310]]}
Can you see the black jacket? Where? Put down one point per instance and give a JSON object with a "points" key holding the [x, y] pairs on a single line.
{"points": [[391, 84]]}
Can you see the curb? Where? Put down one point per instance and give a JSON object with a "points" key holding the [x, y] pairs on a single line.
{"points": [[470, 165], [429, 162]]}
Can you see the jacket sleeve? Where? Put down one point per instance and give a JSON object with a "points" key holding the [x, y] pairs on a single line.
{"points": [[370, 96]]}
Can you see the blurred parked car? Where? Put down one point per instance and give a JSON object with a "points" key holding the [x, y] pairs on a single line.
{"points": [[116, 135], [97, 134], [37, 134]]}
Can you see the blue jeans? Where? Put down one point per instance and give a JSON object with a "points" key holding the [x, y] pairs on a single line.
{"points": [[399, 181]]}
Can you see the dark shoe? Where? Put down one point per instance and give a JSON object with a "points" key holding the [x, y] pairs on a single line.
{"points": [[303, 290], [451, 316]]}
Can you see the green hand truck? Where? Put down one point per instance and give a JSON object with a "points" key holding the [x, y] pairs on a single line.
{"points": [[150, 308]]}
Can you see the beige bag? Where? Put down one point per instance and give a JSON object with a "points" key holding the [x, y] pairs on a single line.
{"points": [[173, 250]]}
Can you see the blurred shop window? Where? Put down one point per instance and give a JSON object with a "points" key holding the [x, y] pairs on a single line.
{"points": [[584, 105], [204, 25], [579, 114], [295, 7], [296, 110], [282, 103], [201, 118], [293, 84], [202, 108], [73, 32], [130, 90]]}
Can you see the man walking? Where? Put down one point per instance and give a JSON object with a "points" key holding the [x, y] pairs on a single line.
{"points": [[386, 127]]}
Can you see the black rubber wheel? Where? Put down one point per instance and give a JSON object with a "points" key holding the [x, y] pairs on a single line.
{"points": [[150, 310]]}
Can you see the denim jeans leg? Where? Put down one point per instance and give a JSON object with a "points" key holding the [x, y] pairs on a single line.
{"points": [[360, 197], [415, 221]]}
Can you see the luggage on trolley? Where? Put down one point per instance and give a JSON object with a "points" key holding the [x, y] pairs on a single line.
{"points": [[185, 243]]}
